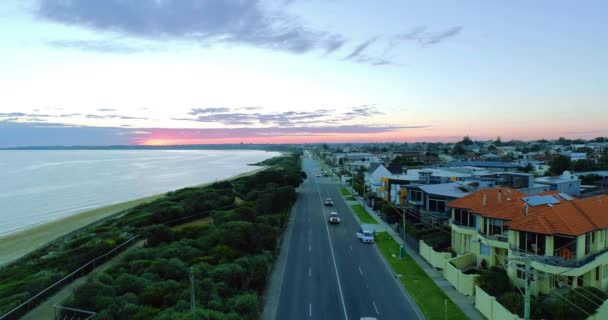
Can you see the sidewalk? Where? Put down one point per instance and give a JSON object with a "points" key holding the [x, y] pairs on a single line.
{"points": [[463, 302]]}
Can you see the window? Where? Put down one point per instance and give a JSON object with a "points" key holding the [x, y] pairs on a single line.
{"points": [[532, 242], [521, 274], [436, 205], [580, 282], [597, 274], [588, 242], [416, 196]]}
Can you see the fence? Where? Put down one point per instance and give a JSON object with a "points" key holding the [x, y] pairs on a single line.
{"points": [[34, 301], [436, 259], [464, 283], [490, 308]]}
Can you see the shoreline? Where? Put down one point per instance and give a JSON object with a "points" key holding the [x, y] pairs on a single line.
{"points": [[21, 242]]}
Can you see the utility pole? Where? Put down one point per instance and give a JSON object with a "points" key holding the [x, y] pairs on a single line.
{"points": [[527, 289], [192, 299]]}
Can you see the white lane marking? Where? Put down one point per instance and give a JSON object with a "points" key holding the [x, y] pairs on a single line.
{"points": [[351, 247], [377, 312], [309, 248], [309, 271], [310, 310], [360, 271], [333, 256]]}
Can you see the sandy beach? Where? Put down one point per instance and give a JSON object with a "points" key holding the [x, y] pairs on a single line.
{"points": [[20, 243]]}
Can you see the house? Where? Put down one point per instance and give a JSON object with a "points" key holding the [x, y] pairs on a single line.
{"points": [[490, 165], [429, 201], [566, 237], [566, 183], [373, 176], [568, 244]]}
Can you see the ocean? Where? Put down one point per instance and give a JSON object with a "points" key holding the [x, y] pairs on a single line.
{"points": [[38, 186]]}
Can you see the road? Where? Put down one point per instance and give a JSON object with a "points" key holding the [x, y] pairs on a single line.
{"points": [[329, 273]]}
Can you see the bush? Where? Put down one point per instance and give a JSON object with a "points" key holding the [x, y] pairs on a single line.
{"points": [[495, 281]]}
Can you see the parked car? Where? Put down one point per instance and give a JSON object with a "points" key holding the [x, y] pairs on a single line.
{"points": [[334, 218], [329, 202], [367, 234]]}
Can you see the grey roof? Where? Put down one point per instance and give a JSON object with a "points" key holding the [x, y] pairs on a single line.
{"points": [[485, 164], [451, 189]]}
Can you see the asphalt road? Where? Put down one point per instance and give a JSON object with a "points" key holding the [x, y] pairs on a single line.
{"points": [[329, 273]]}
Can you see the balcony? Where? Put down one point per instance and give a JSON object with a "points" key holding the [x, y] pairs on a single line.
{"points": [[499, 240], [460, 227]]}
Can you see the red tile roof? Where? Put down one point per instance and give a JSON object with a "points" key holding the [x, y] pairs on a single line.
{"points": [[570, 218], [475, 199]]}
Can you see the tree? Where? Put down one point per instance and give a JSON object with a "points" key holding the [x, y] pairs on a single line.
{"points": [[559, 164], [528, 168], [458, 149], [497, 142], [494, 281], [466, 140]]}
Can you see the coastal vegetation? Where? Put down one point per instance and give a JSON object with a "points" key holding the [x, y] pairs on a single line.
{"points": [[229, 255]]}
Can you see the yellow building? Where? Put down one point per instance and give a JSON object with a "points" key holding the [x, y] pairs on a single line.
{"points": [[566, 237]]}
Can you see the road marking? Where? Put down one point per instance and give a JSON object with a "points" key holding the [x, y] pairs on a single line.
{"points": [[309, 271], [377, 312], [309, 248], [361, 271], [310, 310], [333, 256], [351, 247]]}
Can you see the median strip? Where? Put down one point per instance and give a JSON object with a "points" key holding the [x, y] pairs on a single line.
{"points": [[362, 214], [426, 294]]}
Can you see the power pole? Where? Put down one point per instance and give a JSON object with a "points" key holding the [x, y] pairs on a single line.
{"points": [[527, 289], [192, 299]]}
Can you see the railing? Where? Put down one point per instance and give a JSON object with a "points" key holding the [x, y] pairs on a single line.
{"points": [[26, 306], [463, 225], [499, 237]]}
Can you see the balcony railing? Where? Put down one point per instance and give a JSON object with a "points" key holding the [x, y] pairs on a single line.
{"points": [[463, 225], [567, 261], [499, 237]]}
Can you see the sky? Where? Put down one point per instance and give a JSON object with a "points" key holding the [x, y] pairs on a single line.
{"points": [[157, 72]]}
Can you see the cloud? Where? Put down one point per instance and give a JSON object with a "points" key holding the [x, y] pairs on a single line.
{"points": [[247, 22], [19, 134], [360, 48], [423, 37], [104, 46], [288, 118], [196, 111], [113, 116], [39, 117]]}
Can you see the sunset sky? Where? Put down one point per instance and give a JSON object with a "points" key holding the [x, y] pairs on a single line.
{"points": [[79, 72]]}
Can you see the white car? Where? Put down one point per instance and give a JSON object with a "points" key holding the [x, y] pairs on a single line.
{"points": [[333, 217], [366, 234]]}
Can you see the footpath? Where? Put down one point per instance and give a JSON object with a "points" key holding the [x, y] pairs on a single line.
{"points": [[463, 302]]}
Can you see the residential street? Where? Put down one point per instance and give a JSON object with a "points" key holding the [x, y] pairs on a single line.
{"points": [[329, 273]]}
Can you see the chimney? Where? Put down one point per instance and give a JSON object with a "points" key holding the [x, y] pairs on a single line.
{"points": [[499, 195], [526, 209], [484, 200]]}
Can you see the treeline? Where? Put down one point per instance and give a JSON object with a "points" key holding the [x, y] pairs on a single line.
{"points": [[229, 257]]}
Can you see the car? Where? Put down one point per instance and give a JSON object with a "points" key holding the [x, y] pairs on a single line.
{"points": [[366, 234], [333, 217], [318, 175], [329, 202]]}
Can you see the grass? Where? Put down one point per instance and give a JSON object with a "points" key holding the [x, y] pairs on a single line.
{"points": [[344, 192], [426, 294], [195, 223], [364, 217]]}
